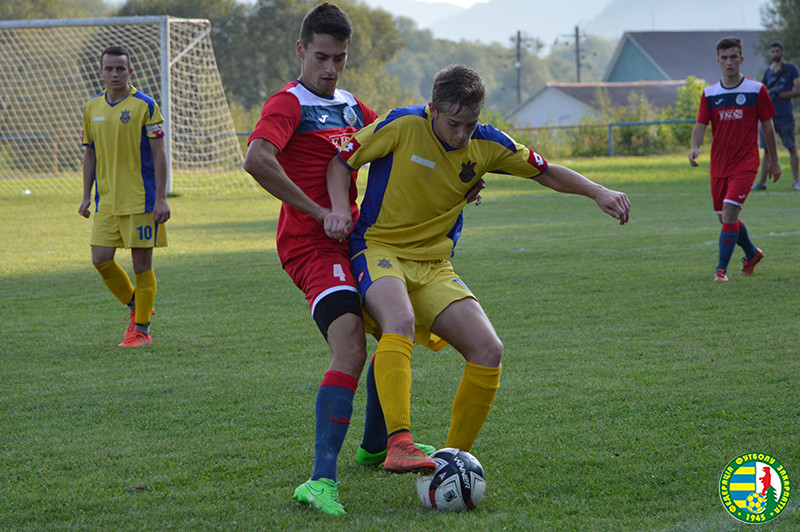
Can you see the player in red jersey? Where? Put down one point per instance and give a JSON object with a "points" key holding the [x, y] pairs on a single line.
{"points": [[300, 130], [734, 106]]}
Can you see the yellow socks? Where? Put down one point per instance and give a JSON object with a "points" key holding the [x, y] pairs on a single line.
{"points": [[393, 380], [145, 296], [472, 404], [116, 280]]}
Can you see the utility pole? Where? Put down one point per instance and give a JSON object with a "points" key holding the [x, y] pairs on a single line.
{"points": [[518, 66], [577, 37], [577, 55], [520, 42]]}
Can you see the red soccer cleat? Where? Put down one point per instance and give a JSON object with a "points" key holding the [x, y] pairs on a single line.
{"points": [[129, 331], [136, 339], [749, 264], [404, 457]]}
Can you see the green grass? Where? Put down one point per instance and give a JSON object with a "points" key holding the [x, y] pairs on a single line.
{"points": [[629, 381]]}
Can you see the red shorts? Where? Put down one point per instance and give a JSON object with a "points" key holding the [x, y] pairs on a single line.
{"points": [[731, 189], [320, 272]]}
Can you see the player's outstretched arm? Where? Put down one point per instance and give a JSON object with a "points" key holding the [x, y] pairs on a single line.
{"points": [[563, 179], [339, 222], [261, 162], [89, 167]]}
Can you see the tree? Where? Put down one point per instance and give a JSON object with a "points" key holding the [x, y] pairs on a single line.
{"points": [[47, 9], [782, 20], [376, 41], [686, 105], [256, 56]]}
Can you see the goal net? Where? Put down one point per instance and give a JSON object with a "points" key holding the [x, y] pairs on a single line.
{"points": [[50, 68]]}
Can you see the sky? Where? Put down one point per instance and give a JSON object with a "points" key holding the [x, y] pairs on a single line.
{"points": [[550, 21], [460, 3]]}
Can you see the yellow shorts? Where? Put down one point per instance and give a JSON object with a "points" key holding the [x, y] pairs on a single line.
{"points": [[432, 286], [129, 231]]}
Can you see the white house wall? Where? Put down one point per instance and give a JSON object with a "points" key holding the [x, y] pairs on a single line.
{"points": [[551, 107]]}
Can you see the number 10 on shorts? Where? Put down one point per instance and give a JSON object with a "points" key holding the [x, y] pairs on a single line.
{"points": [[145, 232]]}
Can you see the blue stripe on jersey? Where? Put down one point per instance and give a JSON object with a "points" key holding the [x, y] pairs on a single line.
{"points": [[320, 117], [379, 172], [148, 172], [455, 232], [488, 132], [732, 99], [412, 110], [360, 266], [151, 104]]}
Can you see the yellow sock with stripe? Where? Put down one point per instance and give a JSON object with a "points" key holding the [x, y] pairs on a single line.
{"points": [[116, 280], [472, 404], [393, 380], [145, 296]]}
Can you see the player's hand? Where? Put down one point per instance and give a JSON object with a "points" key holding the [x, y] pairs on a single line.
{"points": [[474, 193], [774, 170], [693, 157], [774, 94], [161, 212], [83, 210], [615, 204], [338, 225]]}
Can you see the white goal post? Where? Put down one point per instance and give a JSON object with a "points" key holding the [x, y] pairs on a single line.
{"points": [[50, 68]]}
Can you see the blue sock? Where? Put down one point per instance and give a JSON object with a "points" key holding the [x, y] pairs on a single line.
{"points": [[727, 243], [744, 241], [333, 409], [375, 436]]}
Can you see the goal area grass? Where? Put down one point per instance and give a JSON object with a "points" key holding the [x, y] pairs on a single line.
{"points": [[630, 379]]}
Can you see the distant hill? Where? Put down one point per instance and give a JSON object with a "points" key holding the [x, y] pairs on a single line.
{"points": [[499, 20], [620, 16], [548, 20], [423, 13]]}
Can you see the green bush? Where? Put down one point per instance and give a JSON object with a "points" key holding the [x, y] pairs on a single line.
{"points": [[590, 137]]}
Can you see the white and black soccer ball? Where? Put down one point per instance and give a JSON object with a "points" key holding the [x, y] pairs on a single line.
{"points": [[457, 484]]}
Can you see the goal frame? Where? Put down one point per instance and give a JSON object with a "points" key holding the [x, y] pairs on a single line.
{"points": [[164, 62]]}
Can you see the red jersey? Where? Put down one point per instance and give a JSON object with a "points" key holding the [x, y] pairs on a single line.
{"points": [[309, 129], [734, 114]]}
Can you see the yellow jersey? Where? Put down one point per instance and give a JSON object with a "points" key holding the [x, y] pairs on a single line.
{"points": [[417, 183], [119, 133]]}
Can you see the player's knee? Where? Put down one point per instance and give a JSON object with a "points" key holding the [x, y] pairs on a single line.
{"points": [[488, 353], [404, 324], [345, 336], [494, 352], [399, 321]]}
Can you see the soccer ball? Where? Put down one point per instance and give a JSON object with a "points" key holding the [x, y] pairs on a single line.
{"points": [[756, 503], [457, 483]]}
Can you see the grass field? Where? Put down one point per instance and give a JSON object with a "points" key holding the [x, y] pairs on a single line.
{"points": [[630, 379]]}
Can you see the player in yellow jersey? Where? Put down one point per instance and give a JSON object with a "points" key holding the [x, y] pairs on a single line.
{"points": [[424, 160], [124, 160]]}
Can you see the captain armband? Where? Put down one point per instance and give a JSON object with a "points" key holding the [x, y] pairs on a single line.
{"points": [[154, 131]]}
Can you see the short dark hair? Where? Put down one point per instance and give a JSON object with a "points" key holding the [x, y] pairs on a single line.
{"points": [[326, 19], [776, 44], [458, 86], [729, 42], [115, 50]]}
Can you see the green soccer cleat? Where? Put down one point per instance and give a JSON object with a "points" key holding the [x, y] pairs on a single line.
{"points": [[373, 459], [322, 494]]}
